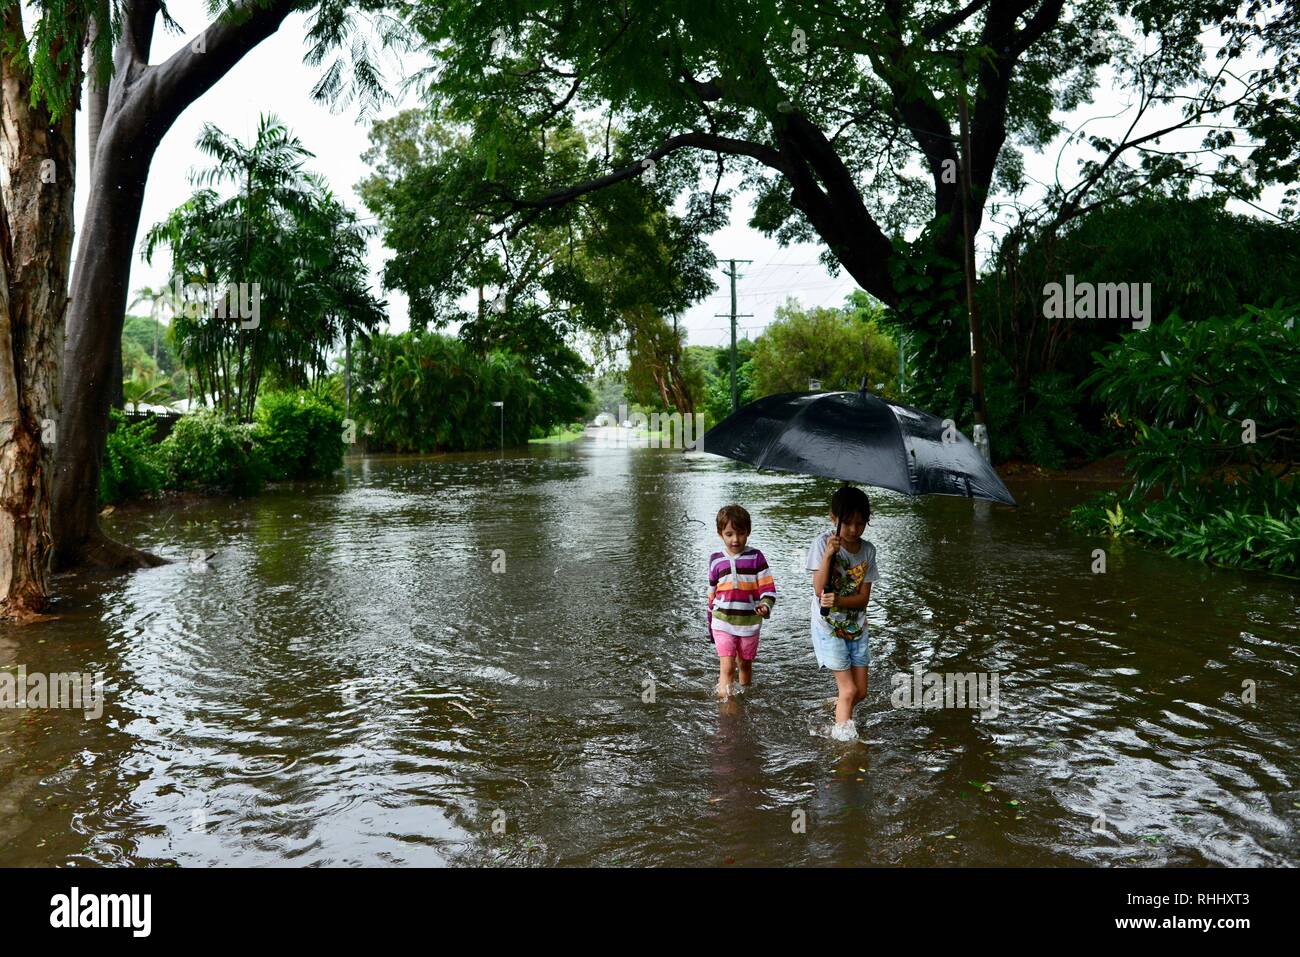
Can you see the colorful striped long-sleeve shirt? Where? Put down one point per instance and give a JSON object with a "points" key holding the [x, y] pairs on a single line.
{"points": [[740, 583]]}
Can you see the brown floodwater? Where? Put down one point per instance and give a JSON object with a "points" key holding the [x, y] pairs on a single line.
{"points": [[475, 660]]}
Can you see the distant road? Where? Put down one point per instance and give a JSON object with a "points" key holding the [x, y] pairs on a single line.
{"points": [[608, 433]]}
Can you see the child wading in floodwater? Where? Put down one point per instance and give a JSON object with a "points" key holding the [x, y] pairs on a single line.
{"points": [[843, 567], [741, 594]]}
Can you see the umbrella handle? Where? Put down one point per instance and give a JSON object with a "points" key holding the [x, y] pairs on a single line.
{"points": [[834, 570], [830, 579]]}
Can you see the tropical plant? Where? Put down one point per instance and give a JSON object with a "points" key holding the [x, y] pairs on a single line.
{"points": [[150, 332], [1214, 421], [1209, 401], [133, 462], [552, 363], [1254, 524], [207, 451], [425, 392], [300, 435], [291, 249], [146, 386]]}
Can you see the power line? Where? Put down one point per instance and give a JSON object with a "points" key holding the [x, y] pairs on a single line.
{"points": [[767, 277]]}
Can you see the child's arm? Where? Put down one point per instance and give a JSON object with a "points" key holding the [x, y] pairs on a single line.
{"points": [[766, 587], [713, 590], [823, 572], [858, 599]]}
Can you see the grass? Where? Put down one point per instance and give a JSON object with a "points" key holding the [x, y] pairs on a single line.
{"points": [[565, 433], [559, 435]]}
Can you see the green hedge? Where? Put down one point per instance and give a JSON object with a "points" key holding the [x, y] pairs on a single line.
{"points": [[208, 452], [300, 434], [297, 435], [425, 392], [133, 464]]}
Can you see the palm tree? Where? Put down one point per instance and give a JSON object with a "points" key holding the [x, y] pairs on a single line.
{"points": [[344, 283], [144, 386], [284, 230], [157, 298]]}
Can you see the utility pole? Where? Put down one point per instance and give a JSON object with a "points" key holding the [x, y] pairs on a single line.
{"points": [[735, 398], [980, 438]]}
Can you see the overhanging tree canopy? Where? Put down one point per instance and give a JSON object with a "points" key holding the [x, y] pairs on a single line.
{"points": [[826, 109]]}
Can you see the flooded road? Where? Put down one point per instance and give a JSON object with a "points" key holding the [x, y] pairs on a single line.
{"points": [[474, 660]]}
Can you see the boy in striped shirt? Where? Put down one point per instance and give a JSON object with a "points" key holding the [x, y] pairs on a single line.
{"points": [[741, 594]]}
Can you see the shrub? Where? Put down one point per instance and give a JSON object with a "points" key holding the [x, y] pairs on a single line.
{"points": [[133, 463], [425, 392], [207, 451], [300, 435], [1206, 400], [1250, 525], [1215, 420], [1040, 421]]}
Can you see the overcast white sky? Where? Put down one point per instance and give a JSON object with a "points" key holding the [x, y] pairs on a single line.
{"points": [[273, 79]]}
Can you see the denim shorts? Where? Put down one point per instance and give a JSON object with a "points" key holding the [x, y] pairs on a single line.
{"points": [[838, 654]]}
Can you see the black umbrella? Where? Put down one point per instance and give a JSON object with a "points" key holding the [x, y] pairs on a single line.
{"points": [[857, 437]]}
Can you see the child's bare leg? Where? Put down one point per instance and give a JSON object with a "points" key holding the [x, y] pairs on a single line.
{"points": [[846, 696], [746, 652], [860, 682], [726, 665]]}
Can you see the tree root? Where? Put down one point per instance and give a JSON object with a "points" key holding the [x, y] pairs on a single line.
{"points": [[101, 552], [12, 614]]}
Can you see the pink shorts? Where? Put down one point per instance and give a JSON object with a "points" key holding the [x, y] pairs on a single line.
{"points": [[729, 646]]}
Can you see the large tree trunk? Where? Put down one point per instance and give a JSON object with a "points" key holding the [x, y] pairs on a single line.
{"points": [[99, 291], [143, 102], [96, 109], [36, 229]]}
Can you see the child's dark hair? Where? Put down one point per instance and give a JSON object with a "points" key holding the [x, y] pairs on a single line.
{"points": [[850, 501], [735, 516]]}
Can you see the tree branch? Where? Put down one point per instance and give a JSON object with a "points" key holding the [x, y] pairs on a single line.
{"points": [[1044, 18], [137, 37], [952, 20], [188, 74], [695, 140]]}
